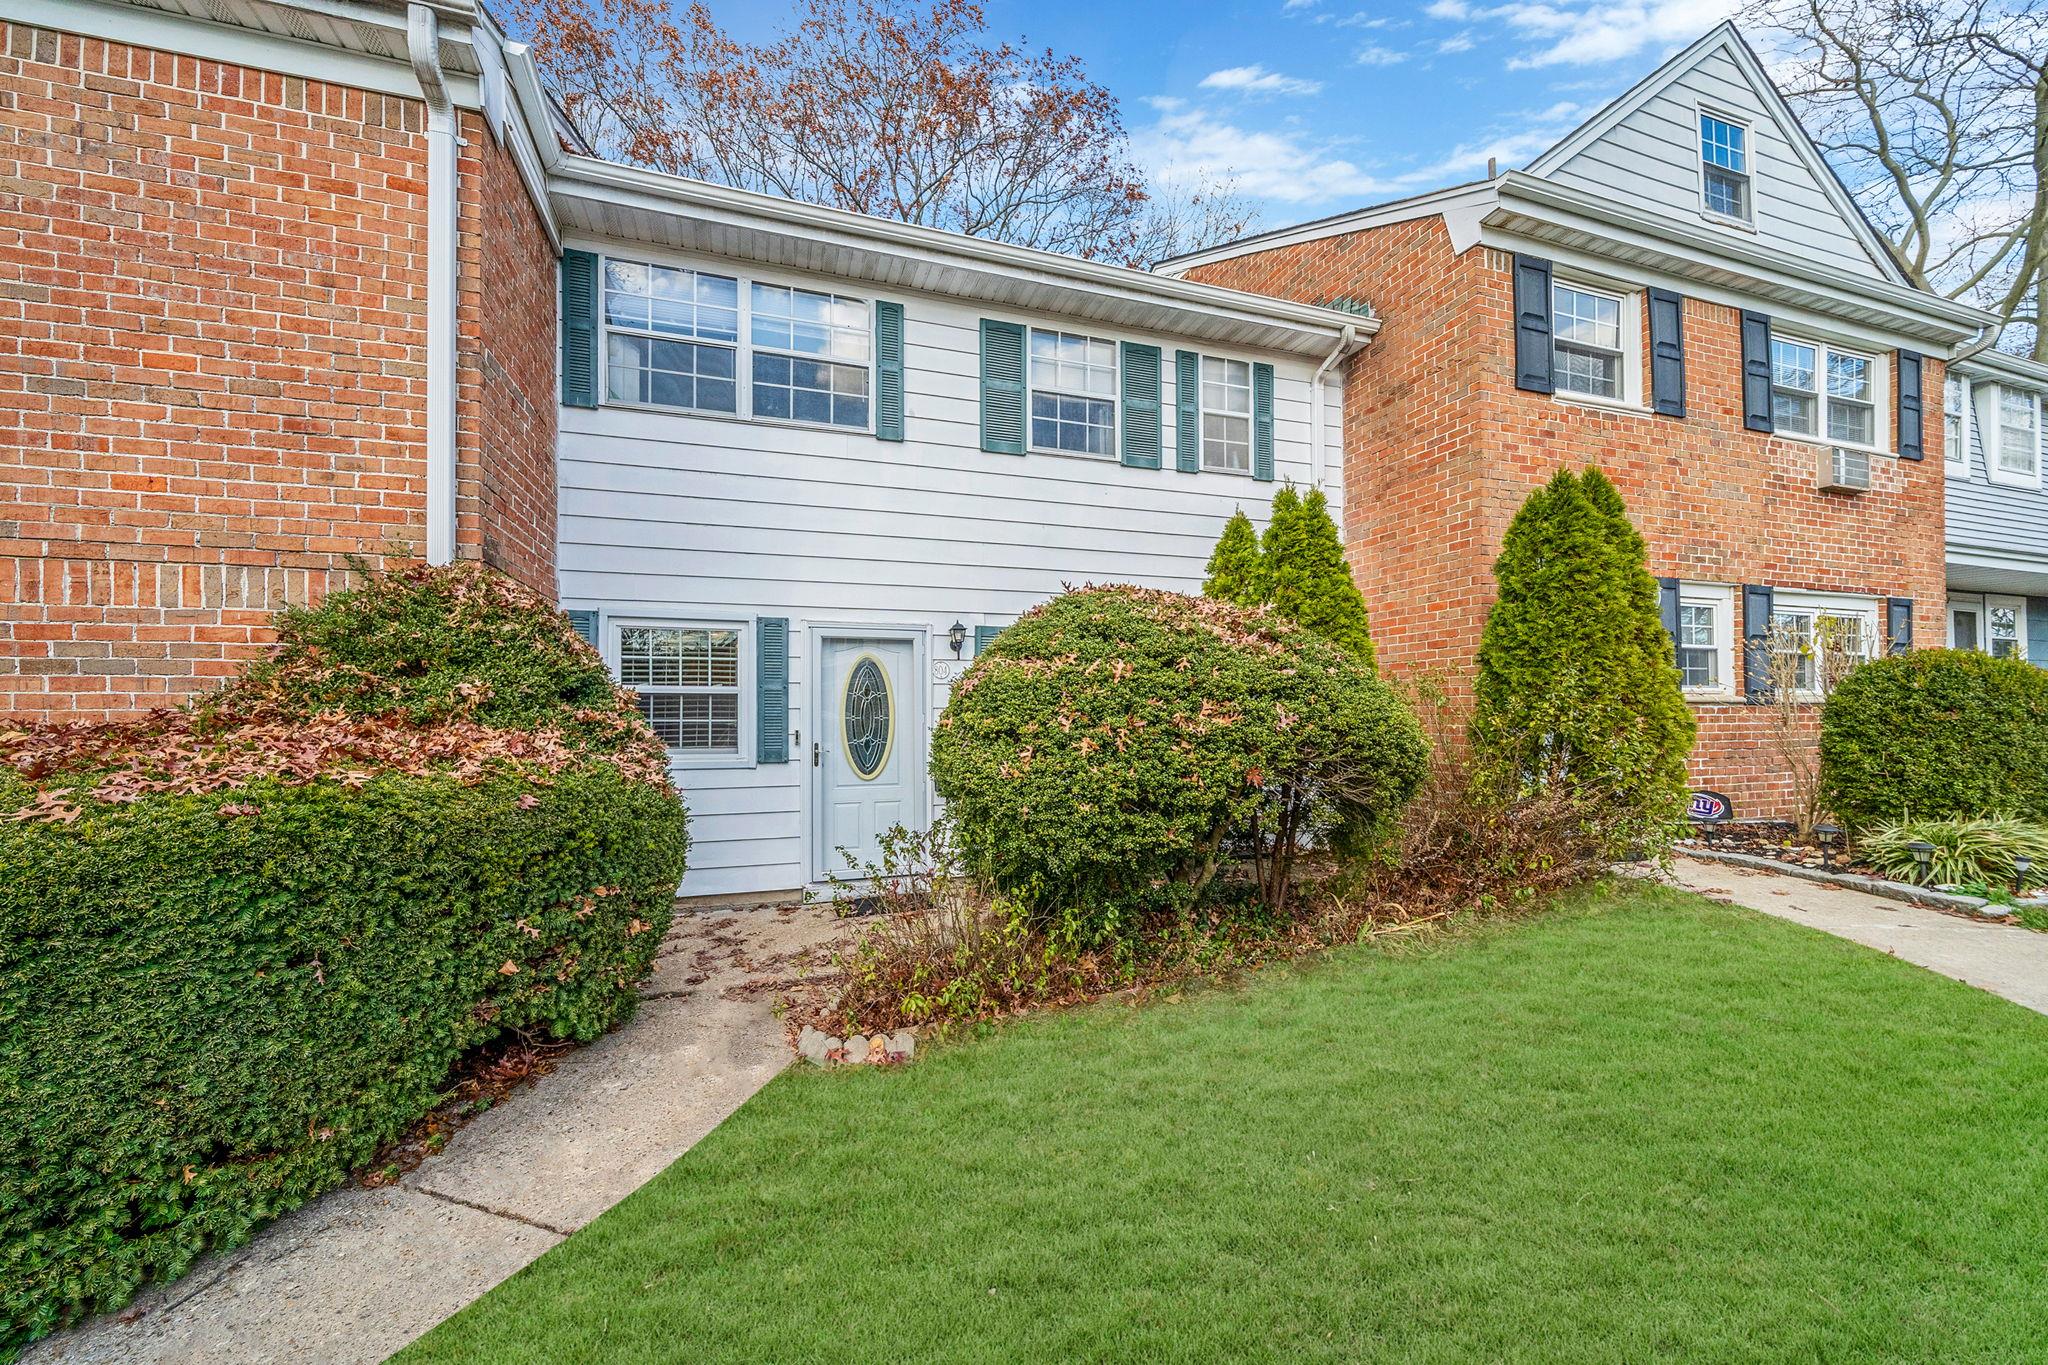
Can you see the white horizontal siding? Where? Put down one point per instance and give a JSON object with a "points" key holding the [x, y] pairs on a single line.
{"points": [[672, 516], [1651, 159], [1982, 515]]}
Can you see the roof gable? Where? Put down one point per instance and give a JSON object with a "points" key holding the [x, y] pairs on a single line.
{"points": [[1643, 149]]}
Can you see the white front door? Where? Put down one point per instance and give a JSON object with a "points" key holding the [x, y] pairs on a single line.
{"points": [[868, 760]]}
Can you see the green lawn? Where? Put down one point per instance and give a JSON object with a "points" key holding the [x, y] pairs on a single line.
{"points": [[1645, 1126]]}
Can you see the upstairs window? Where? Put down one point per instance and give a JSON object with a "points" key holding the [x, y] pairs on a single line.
{"points": [[1226, 415], [1822, 392], [1073, 393], [1724, 168], [672, 337], [1955, 429], [1586, 341], [810, 356], [2018, 458]]}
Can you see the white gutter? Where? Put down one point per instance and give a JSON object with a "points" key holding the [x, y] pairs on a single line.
{"points": [[423, 42], [1345, 346]]}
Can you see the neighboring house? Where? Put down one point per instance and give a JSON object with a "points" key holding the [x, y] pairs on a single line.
{"points": [[1682, 293], [1992, 416]]}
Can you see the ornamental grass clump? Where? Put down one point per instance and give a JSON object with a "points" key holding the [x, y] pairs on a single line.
{"points": [[244, 943], [1984, 851], [1107, 753]]}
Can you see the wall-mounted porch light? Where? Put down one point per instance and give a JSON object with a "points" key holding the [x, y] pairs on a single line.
{"points": [[957, 637]]}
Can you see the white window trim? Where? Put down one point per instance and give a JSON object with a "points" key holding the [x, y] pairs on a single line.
{"points": [[1995, 440], [615, 629], [1722, 599], [1880, 393], [1251, 417], [1631, 301], [1699, 153], [1955, 456], [1116, 396], [1832, 604], [1975, 606], [1992, 602], [744, 349]]}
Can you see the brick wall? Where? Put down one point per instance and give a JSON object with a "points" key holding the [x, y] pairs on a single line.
{"points": [[1441, 449], [212, 367]]}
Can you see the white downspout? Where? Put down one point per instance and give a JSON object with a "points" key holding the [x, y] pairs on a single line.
{"points": [[423, 41], [1345, 346]]}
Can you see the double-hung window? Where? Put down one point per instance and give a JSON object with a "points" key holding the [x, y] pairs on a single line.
{"points": [[1955, 425], [2018, 456], [688, 681], [1587, 354], [1820, 639], [2005, 627], [1822, 392], [1724, 168], [1073, 393], [810, 356], [1705, 634], [671, 337], [1226, 415]]}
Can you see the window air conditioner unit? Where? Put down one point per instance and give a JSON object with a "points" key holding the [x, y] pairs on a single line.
{"points": [[1844, 471]]}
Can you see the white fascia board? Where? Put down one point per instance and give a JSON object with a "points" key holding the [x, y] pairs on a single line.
{"points": [[604, 182], [1999, 367], [1461, 207], [1541, 210]]}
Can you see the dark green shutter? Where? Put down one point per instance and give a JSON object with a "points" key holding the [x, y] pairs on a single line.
{"points": [[584, 623], [1141, 405], [1898, 617], [1757, 605], [2037, 631], [1667, 609], [1002, 387], [984, 636], [1756, 373], [1912, 439], [579, 329], [1667, 353], [1262, 422], [1187, 404], [771, 689], [889, 371], [1532, 325]]}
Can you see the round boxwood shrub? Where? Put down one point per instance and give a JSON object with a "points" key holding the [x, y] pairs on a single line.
{"points": [[1935, 733], [243, 944], [1106, 748]]}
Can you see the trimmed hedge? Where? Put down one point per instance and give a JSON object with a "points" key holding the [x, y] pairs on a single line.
{"points": [[1936, 733], [243, 945]]}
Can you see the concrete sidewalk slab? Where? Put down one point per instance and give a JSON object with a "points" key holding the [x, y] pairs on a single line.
{"points": [[358, 1273], [2001, 958]]}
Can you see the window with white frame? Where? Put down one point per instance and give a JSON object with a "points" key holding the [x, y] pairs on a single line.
{"points": [[1822, 392], [810, 359], [1965, 625], [1226, 415], [1587, 344], [1706, 638], [2005, 627], [1724, 168], [688, 681], [1073, 393], [671, 337], [1955, 428], [2018, 456], [1816, 630]]}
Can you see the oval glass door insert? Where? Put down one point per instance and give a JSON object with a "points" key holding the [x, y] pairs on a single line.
{"points": [[868, 717]]}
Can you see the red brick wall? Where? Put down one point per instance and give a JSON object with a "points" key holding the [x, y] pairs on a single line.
{"points": [[212, 367], [1441, 449]]}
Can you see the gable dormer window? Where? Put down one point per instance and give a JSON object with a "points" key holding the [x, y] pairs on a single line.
{"points": [[1724, 169]]}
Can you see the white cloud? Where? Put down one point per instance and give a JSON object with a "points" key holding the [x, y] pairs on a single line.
{"points": [[1448, 9], [1586, 32], [1293, 5], [1279, 166], [1256, 80], [1459, 42], [1374, 55]]}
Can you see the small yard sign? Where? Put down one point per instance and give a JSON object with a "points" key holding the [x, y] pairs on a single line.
{"points": [[1710, 808]]}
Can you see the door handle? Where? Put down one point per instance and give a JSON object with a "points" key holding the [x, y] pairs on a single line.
{"points": [[814, 753]]}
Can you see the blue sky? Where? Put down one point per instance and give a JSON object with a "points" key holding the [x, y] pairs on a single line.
{"points": [[1322, 105]]}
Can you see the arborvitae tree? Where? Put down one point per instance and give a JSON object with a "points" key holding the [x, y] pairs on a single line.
{"points": [[1236, 573], [1575, 682], [1312, 583]]}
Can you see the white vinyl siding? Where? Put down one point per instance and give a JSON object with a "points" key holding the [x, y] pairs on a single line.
{"points": [[676, 518]]}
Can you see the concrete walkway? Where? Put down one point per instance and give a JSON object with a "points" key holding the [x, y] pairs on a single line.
{"points": [[2001, 958], [358, 1273]]}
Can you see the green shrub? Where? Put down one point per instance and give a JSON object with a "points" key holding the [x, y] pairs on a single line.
{"points": [[242, 945], [1236, 573], [1098, 757], [1576, 683], [1935, 733], [1299, 570], [1980, 851]]}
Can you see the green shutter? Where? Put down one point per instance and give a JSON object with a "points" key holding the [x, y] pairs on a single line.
{"points": [[984, 636], [1141, 405], [584, 623], [1187, 403], [1002, 387], [889, 371], [1262, 422], [771, 689], [579, 329]]}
